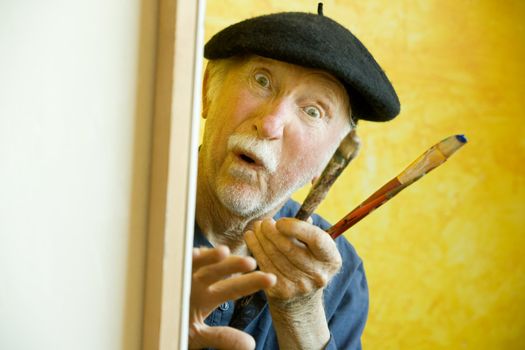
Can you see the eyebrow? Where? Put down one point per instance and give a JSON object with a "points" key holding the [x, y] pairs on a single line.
{"points": [[335, 90], [260, 59], [329, 84]]}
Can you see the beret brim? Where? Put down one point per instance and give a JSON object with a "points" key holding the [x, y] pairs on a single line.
{"points": [[314, 41]]}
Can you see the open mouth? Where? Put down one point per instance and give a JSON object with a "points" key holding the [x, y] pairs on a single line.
{"points": [[247, 158], [255, 160]]}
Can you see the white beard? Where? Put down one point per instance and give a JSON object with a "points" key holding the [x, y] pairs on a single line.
{"points": [[241, 190], [254, 202], [245, 193]]}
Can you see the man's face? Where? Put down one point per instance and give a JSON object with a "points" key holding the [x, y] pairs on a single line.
{"points": [[271, 128]]}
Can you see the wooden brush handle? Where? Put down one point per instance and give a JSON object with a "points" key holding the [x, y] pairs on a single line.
{"points": [[344, 154]]}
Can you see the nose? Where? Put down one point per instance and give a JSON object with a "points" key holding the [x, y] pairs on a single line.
{"points": [[272, 120]]}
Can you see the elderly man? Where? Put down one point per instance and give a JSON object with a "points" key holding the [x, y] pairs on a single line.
{"points": [[280, 93]]}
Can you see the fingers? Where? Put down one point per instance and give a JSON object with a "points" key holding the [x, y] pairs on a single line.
{"points": [[204, 256], [236, 287], [299, 273], [214, 272], [218, 277], [320, 244], [221, 338], [305, 256], [259, 253], [288, 256]]}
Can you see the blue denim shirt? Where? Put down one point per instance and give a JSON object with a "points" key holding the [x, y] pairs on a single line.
{"points": [[345, 299]]}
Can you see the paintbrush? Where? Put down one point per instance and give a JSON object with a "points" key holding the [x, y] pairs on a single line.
{"points": [[345, 153], [431, 159]]}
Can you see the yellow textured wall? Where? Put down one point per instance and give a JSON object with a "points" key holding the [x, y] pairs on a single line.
{"points": [[445, 257]]}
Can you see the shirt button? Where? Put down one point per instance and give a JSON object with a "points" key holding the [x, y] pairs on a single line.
{"points": [[224, 306]]}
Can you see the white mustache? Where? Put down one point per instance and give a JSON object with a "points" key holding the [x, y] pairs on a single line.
{"points": [[260, 149]]}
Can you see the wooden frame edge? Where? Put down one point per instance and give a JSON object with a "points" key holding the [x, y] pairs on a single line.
{"points": [[173, 173]]}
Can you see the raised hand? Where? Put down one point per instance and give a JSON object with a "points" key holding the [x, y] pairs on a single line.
{"points": [[302, 256], [218, 277]]}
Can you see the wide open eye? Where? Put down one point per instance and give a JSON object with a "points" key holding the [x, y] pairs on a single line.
{"points": [[313, 111], [262, 79]]}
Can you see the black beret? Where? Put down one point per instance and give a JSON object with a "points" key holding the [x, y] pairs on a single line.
{"points": [[314, 41]]}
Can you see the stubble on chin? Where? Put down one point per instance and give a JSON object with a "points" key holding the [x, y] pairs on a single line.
{"points": [[251, 195], [252, 201], [239, 198]]}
